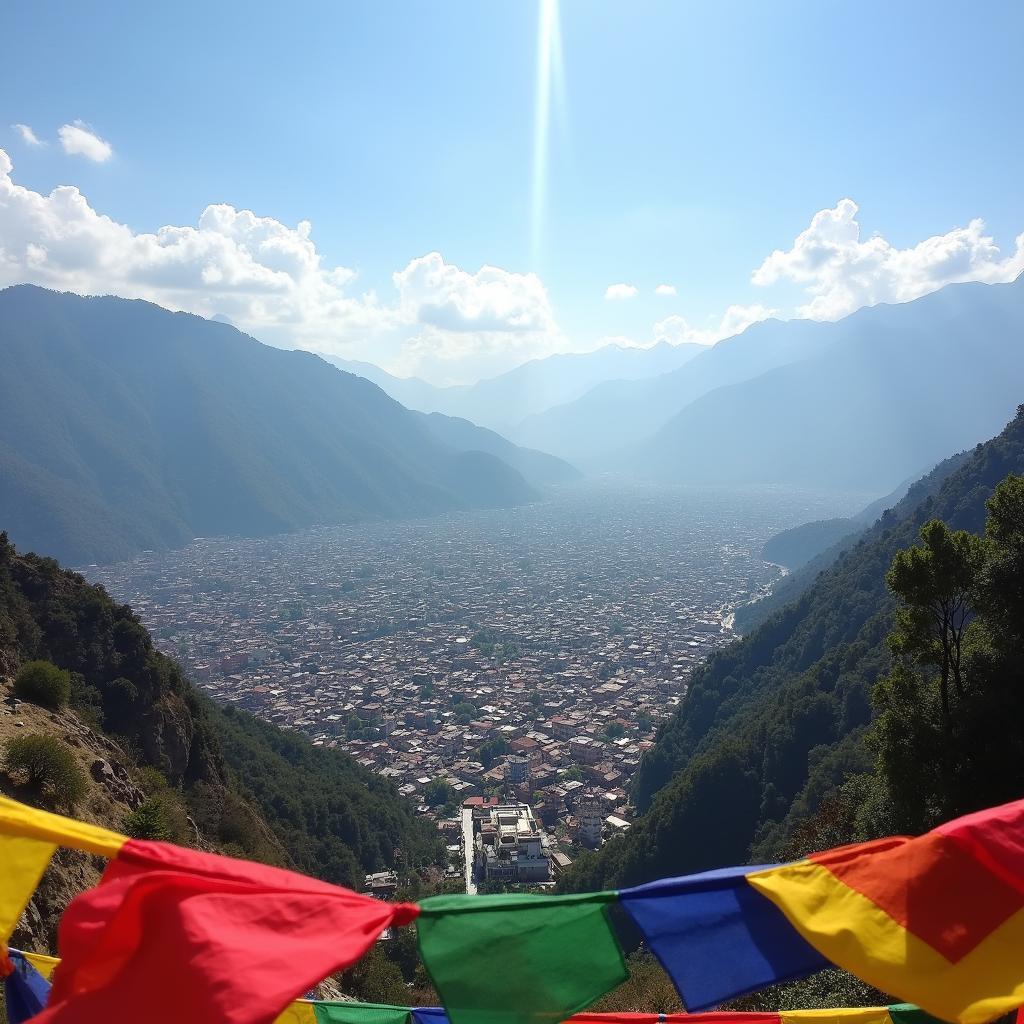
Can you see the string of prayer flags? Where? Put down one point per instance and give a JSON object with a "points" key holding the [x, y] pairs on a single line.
{"points": [[237, 941], [515, 958], [938, 919], [717, 937], [364, 1013]]}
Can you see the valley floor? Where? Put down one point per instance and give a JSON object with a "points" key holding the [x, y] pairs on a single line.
{"points": [[564, 631]]}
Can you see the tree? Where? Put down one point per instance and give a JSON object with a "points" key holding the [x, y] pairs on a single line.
{"points": [[437, 793], [937, 583], [946, 733], [615, 731], [42, 683], [48, 767]]}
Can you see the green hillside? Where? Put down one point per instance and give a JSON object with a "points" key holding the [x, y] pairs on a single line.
{"points": [[775, 723], [124, 426]]}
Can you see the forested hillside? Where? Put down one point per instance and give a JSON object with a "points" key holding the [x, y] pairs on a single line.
{"points": [[775, 724], [124, 426], [251, 788]]}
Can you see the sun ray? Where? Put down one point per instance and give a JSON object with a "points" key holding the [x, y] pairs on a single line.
{"points": [[549, 79]]}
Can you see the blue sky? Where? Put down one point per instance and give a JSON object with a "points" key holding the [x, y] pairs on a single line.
{"points": [[686, 144]]}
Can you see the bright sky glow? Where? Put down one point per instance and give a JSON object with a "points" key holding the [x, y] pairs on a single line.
{"points": [[449, 190]]}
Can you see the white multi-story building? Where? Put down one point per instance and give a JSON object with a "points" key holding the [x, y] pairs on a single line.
{"points": [[590, 813], [509, 846]]}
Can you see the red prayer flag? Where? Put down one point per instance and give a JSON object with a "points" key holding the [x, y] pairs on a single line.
{"points": [[175, 936]]}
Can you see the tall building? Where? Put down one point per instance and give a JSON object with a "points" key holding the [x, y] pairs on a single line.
{"points": [[510, 846], [590, 815], [517, 770]]}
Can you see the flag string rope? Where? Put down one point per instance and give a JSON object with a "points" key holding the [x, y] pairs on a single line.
{"points": [[307, 1011], [936, 920]]}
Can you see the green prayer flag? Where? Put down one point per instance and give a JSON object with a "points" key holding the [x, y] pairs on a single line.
{"points": [[359, 1013], [519, 959]]}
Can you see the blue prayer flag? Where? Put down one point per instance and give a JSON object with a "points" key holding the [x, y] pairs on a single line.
{"points": [[717, 937]]}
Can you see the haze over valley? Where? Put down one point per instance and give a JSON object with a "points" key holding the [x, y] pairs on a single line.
{"points": [[497, 460]]}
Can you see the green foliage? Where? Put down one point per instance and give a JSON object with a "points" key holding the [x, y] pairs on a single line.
{"points": [[155, 818], [465, 712], [334, 819], [150, 780], [648, 989], [947, 735], [828, 989], [615, 731], [42, 683], [86, 701], [438, 792], [377, 979], [48, 767], [489, 752]]}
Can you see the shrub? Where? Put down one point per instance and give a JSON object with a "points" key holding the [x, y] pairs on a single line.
{"points": [[42, 683], [161, 816], [149, 820], [48, 766], [150, 780]]}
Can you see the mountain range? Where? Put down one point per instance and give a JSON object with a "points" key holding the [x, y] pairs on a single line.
{"points": [[502, 402], [124, 426], [884, 392]]}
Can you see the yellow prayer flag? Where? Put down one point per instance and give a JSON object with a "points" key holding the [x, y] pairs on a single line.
{"points": [[22, 863], [20, 820]]}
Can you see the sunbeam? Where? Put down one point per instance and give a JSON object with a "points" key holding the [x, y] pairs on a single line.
{"points": [[549, 80]]}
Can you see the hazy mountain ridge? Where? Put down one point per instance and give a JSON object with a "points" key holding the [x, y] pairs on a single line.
{"points": [[124, 426], [538, 468], [720, 417], [618, 413], [898, 387], [502, 402]]}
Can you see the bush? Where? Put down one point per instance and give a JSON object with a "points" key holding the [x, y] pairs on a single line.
{"points": [[42, 683], [48, 766], [150, 780], [148, 821], [159, 817]]}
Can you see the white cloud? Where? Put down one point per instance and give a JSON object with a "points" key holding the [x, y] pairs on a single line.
{"points": [[677, 330], [619, 291], [841, 273], [28, 136], [665, 289], [79, 139], [441, 295], [270, 280]]}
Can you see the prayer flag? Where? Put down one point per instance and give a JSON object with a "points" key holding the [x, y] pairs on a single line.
{"points": [[937, 920], [716, 937], [519, 959], [205, 939]]}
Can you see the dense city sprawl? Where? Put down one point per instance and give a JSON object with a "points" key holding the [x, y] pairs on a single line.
{"points": [[479, 658]]}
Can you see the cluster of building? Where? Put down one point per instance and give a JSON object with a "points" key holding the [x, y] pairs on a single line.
{"points": [[519, 659]]}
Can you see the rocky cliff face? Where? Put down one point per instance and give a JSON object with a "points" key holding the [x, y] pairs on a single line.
{"points": [[110, 796]]}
